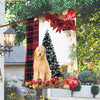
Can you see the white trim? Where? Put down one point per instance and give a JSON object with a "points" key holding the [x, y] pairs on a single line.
{"points": [[11, 64], [15, 0]]}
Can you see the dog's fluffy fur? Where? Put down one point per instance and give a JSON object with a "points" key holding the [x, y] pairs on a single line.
{"points": [[41, 66]]}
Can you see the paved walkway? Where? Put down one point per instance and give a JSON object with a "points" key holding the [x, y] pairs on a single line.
{"points": [[73, 98]]}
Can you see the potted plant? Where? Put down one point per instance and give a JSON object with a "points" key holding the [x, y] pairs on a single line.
{"points": [[87, 76], [95, 90]]}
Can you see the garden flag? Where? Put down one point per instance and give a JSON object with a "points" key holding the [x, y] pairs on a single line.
{"points": [[51, 60]]}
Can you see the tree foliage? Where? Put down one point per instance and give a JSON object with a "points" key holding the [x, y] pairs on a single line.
{"points": [[88, 38]]}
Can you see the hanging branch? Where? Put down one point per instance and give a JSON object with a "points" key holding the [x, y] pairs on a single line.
{"points": [[12, 23]]}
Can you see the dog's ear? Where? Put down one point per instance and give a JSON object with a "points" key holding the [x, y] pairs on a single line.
{"points": [[44, 52], [35, 53], [44, 49]]}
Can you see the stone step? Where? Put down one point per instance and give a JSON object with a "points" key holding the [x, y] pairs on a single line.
{"points": [[85, 92], [73, 98]]}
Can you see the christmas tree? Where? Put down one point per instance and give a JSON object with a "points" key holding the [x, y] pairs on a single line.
{"points": [[51, 56]]}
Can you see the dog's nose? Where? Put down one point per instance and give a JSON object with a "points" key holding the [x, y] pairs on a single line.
{"points": [[40, 54]]}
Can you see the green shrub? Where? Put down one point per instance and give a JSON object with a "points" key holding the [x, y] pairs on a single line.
{"points": [[95, 90], [87, 76], [9, 91]]}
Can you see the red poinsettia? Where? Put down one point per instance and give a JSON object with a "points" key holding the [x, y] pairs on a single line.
{"points": [[60, 24], [72, 82]]}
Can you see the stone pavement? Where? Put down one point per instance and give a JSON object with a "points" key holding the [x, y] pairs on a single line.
{"points": [[74, 98]]}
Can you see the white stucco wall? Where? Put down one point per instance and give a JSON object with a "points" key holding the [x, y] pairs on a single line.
{"points": [[2, 15], [15, 72]]}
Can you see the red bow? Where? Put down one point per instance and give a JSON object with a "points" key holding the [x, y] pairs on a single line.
{"points": [[71, 14]]}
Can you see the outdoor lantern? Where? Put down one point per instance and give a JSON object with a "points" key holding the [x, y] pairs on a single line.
{"points": [[9, 35]]}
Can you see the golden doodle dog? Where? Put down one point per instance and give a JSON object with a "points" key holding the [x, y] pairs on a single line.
{"points": [[41, 66]]}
